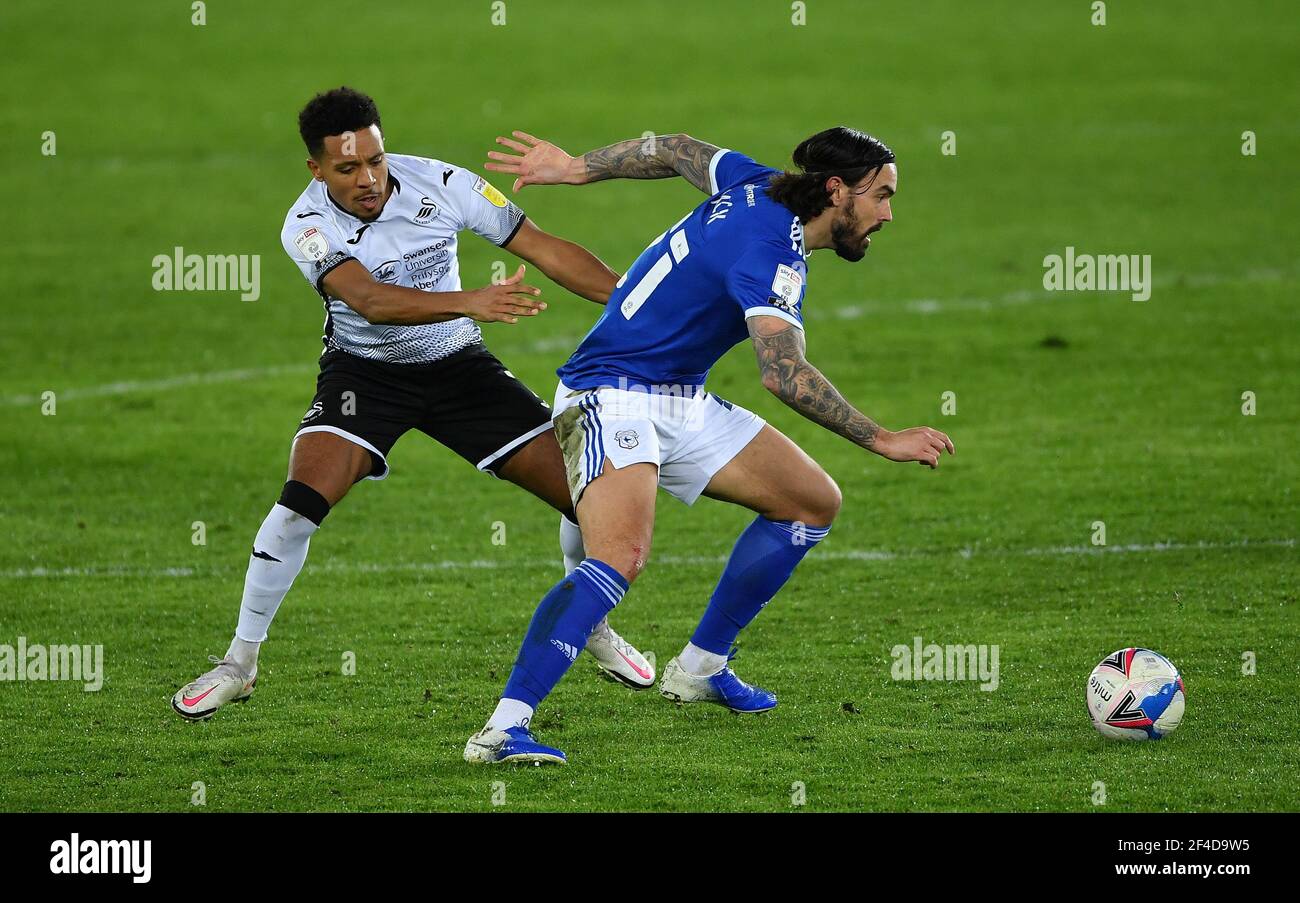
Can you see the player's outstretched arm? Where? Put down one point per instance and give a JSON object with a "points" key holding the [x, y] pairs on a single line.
{"points": [[568, 263], [384, 304], [788, 375], [538, 162]]}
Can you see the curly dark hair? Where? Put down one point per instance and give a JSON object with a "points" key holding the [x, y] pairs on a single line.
{"points": [[840, 151], [334, 112]]}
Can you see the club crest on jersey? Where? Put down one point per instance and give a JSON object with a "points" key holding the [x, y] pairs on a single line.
{"points": [[311, 243], [428, 212], [627, 439], [315, 411], [494, 197]]}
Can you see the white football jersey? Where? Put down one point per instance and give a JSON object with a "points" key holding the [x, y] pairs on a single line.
{"points": [[412, 243]]}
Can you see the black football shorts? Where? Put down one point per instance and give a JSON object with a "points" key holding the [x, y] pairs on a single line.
{"points": [[468, 401]]}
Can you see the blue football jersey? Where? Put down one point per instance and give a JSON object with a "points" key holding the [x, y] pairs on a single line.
{"points": [[684, 302]]}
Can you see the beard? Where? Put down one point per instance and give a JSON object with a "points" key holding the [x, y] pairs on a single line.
{"points": [[845, 238]]}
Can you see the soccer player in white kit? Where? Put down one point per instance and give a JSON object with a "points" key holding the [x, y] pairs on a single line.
{"points": [[375, 235]]}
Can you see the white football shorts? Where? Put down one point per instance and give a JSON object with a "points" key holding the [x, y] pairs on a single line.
{"points": [[689, 438]]}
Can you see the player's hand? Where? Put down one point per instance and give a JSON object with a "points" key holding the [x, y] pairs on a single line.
{"points": [[536, 162], [920, 444], [506, 301]]}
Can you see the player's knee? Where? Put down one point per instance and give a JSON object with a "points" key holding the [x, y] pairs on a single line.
{"points": [[332, 486], [305, 501], [628, 556], [634, 561], [822, 502]]}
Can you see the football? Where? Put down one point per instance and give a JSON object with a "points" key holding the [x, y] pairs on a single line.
{"points": [[1136, 694]]}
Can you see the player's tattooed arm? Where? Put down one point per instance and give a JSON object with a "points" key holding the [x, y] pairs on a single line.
{"points": [[659, 157], [538, 162], [788, 375]]}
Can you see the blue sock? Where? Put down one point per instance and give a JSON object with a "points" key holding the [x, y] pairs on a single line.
{"points": [[560, 627], [762, 561]]}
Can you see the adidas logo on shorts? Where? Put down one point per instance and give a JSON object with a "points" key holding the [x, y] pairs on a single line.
{"points": [[569, 652]]}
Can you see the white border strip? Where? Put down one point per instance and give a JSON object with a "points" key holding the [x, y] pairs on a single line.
{"points": [[713, 170], [514, 443], [772, 312], [355, 440]]}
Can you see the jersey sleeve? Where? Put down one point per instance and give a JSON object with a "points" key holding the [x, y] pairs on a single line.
{"points": [[315, 246], [729, 167], [482, 209], [769, 281]]}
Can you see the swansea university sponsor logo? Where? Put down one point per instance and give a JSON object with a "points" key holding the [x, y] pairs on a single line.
{"points": [[103, 857], [428, 281], [427, 256]]}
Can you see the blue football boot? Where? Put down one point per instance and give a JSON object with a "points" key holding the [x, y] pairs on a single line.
{"points": [[514, 744], [724, 688]]}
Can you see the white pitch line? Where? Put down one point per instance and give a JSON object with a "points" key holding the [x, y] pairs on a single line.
{"points": [[491, 564], [181, 381], [1029, 296], [564, 344], [554, 344]]}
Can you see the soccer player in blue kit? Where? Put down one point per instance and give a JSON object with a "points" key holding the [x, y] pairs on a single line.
{"points": [[631, 413]]}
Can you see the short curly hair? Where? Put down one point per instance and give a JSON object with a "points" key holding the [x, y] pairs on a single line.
{"points": [[841, 151], [334, 112]]}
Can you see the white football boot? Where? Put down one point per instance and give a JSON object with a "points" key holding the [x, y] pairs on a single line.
{"points": [[201, 697], [619, 659]]}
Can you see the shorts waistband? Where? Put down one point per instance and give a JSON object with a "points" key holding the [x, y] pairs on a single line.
{"points": [[335, 354]]}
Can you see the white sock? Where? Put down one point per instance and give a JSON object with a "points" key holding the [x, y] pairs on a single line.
{"points": [[244, 654], [278, 555], [510, 713], [571, 544], [699, 662]]}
